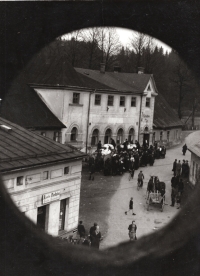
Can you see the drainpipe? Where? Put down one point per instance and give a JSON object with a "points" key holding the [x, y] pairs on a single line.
{"points": [[88, 117], [140, 118]]}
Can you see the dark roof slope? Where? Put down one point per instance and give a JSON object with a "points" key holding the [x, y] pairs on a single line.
{"points": [[164, 115], [23, 106], [117, 81], [21, 148]]}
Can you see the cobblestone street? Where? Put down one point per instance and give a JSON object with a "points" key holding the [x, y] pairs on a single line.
{"points": [[106, 199]]}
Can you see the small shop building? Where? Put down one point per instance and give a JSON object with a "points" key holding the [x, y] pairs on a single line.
{"points": [[193, 145], [43, 178]]}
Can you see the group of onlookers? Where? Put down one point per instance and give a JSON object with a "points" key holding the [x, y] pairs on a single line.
{"points": [[94, 237], [180, 170]]}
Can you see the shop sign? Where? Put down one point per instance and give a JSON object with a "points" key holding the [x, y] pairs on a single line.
{"points": [[46, 198]]}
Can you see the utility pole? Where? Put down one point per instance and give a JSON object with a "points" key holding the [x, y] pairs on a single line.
{"points": [[88, 121]]}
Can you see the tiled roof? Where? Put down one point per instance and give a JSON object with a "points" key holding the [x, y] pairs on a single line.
{"points": [[193, 142], [117, 81], [23, 106], [21, 148], [164, 115]]}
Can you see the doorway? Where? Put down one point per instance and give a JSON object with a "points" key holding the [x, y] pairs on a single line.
{"points": [[41, 217], [146, 139], [62, 214]]}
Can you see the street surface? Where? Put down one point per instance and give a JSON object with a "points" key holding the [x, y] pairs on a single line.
{"points": [[112, 210]]}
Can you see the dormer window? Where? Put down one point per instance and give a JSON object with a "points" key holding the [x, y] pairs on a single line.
{"points": [[149, 88], [148, 100]]}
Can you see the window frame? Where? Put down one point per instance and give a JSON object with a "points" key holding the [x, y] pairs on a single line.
{"points": [[47, 175], [76, 135], [120, 101], [56, 136], [148, 102], [108, 103], [96, 100], [65, 168], [76, 98], [20, 178], [133, 101]]}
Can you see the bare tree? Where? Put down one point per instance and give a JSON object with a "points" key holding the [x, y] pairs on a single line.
{"points": [[148, 54], [92, 39], [110, 45], [182, 81], [138, 43], [72, 45]]}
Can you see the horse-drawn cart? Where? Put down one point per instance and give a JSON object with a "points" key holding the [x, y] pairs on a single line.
{"points": [[155, 193]]}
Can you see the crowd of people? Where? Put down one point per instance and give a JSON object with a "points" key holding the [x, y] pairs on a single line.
{"points": [[181, 170], [124, 157]]}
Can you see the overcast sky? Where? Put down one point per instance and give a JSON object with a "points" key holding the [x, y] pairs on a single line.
{"points": [[126, 34]]}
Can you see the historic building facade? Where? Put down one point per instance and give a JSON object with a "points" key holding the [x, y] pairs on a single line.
{"points": [[193, 144], [42, 177]]}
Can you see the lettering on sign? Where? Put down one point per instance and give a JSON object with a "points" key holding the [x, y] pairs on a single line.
{"points": [[46, 198]]}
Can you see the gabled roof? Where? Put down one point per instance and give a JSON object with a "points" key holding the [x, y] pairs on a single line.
{"points": [[23, 106], [164, 115], [118, 81], [193, 142], [22, 148]]}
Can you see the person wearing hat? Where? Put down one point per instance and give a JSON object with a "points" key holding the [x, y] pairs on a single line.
{"points": [[92, 230], [132, 231], [81, 229]]}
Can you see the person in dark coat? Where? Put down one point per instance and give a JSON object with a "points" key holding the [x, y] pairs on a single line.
{"points": [[92, 229], [173, 196], [187, 169], [183, 167], [180, 186], [184, 149], [99, 145], [132, 231], [178, 168], [112, 142], [174, 167], [173, 182], [96, 237], [81, 229], [130, 207]]}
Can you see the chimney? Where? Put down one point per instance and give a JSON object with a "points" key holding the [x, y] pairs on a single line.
{"points": [[117, 69], [102, 68], [140, 70]]}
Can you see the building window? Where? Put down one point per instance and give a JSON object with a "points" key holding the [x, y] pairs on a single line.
{"points": [[148, 102], [110, 100], [45, 175], [168, 135], [149, 88], [122, 101], [62, 214], [161, 136], [74, 134], [108, 135], [66, 170], [76, 98], [56, 136], [97, 100], [95, 137], [43, 134], [20, 180], [131, 135], [133, 101], [120, 135]]}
